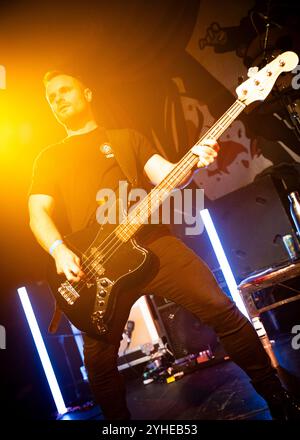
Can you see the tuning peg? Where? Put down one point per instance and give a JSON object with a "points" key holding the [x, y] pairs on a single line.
{"points": [[252, 71]]}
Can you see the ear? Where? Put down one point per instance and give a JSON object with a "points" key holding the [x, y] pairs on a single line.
{"points": [[88, 94]]}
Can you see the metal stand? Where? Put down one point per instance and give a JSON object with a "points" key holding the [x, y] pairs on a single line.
{"points": [[261, 280], [264, 338]]}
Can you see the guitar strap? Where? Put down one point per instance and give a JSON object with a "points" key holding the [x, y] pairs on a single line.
{"points": [[55, 320], [119, 141]]}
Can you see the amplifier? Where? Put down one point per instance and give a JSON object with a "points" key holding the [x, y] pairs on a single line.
{"points": [[184, 332], [251, 223]]}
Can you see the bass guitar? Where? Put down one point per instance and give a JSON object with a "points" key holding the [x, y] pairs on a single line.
{"points": [[111, 258]]}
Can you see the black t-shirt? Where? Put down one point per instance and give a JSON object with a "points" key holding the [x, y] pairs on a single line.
{"points": [[74, 170]]}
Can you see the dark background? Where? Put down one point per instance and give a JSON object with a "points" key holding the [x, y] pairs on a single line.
{"points": [[127, 52]]}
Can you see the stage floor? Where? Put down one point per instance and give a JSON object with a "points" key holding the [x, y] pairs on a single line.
{"points": [[217, 392]]}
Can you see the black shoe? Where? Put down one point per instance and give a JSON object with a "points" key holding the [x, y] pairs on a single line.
{"points": [[284, 407]]}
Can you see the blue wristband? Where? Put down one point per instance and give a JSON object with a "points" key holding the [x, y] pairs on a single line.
{"points": [[54, 246]]}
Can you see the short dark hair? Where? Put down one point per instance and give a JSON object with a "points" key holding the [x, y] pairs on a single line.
{"points": [[50, 75], [53, 73]]}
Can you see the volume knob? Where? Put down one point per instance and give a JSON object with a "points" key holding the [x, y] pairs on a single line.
{"points": [[104, 283], [102, 293]]}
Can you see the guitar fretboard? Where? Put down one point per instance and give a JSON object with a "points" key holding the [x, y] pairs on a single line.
{"points": [[140, 214]]}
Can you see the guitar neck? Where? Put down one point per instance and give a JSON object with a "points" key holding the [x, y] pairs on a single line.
{"points": [[140, 214]]}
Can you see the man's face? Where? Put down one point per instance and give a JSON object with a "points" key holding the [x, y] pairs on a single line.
{"points": [[68, 100]]}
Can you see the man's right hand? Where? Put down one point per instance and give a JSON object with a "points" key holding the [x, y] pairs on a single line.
{"points": [[67, 263]]}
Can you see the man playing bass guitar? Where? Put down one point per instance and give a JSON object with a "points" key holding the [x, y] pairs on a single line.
{"points": [[69, 175]]}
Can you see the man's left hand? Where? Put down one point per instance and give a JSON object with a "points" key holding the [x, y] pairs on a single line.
{"points": [[207, 152]]}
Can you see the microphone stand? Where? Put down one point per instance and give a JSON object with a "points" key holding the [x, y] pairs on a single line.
{"points": [[268, 22]]}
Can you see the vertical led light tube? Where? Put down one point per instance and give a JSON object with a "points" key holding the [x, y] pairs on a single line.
{"points": [[42, 351], [223, 262]]}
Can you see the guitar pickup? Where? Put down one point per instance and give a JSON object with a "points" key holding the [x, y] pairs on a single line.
{"points": [[98, 267], [68, 292], [96, 262]]}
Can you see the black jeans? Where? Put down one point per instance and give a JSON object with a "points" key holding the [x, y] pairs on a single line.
{"points": [[186, 280]]}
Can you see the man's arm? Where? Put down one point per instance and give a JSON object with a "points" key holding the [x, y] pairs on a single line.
{"points": [[41, 208], [157, 167]]}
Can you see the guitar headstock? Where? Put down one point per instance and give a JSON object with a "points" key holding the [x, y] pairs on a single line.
{"points": [[261, 83]]}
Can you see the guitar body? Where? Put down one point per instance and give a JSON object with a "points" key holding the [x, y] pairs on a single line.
{"points": [[91, 303]]}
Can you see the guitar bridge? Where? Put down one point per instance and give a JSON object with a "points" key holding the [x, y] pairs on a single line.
{"points": [[68, 292]]}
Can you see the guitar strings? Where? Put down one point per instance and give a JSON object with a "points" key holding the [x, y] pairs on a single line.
{"points": [[186, 162], [118, 243], [162, 184]]}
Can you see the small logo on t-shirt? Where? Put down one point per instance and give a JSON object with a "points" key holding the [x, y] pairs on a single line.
{"points": [[107, 150]]}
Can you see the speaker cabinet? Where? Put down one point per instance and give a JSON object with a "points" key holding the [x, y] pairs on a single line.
{"points": [[184, 332], [251, 223]]}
